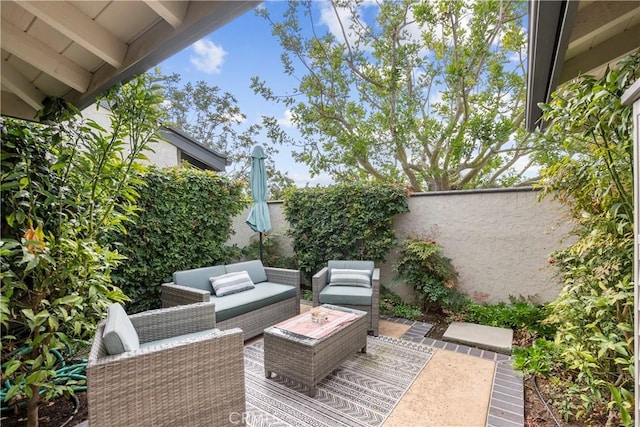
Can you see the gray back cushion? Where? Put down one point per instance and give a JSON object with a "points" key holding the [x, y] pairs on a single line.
{"points": [[254, 268], [198, 278], [119, 335], [352, 265]]}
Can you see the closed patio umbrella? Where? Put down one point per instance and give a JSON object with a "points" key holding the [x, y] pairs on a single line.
{"points": [[258, 219]]}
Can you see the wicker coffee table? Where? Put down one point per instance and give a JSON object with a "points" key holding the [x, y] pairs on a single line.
{"points": [[308, 360]]}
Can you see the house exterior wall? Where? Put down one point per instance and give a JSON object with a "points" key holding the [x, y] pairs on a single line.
{"points": [[161, 154], [500, 241]]}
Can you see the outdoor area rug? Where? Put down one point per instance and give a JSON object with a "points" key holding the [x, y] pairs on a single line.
{"points": [[362, 392]]}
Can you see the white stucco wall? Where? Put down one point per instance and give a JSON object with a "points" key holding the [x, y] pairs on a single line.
{"points": [[499, 241], [162, 154]]}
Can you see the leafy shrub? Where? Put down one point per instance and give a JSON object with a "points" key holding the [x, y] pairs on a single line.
{"points": [[422, 266], [392, 305], [185, 219], [306, 294], [519, 316], [346, 221], [541, 358], [594, 312], [64, 185], [272, 252]]}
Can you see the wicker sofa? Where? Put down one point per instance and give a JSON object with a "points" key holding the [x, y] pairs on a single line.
{"points": [[275, 297], [183, 371]]}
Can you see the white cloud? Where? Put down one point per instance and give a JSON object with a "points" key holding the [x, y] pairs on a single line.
{"points": [[333, 19], [208, 56], [304, 179], [328, 17], [287, 119], [235, 118]]}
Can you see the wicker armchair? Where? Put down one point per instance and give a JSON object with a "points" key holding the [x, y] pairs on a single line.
{"points": [[356, 297], [194, 381]]}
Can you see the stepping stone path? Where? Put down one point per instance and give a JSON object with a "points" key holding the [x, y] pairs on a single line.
{"points": [[480, 336]]}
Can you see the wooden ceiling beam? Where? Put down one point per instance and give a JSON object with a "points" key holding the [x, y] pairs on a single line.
{"points": [[602, 54], [73, 23], [42, 57], [171, 11], [16, 83], [600, 16]]}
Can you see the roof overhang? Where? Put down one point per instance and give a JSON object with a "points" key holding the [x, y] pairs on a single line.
{"points": [[77, 50], [568, 38], [195, 149]]}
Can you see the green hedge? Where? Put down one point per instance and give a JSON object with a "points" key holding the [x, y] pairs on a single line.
{"points": [[184, 221], [347, 221]]}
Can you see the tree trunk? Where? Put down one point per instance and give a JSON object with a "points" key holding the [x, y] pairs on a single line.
{"points": [[32, 406]]}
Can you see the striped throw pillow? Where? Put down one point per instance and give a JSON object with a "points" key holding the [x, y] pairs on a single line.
{"points": [[348, 277], [231, 283]]}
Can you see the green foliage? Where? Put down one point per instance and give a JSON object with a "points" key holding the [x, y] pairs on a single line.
{"points": [[519, 315], [392, 305], [422, 266], [348, 221], [427, 93], [272, 251], [64, 185], [185, 219], [541, 358], [307, 294], [594, 312]]}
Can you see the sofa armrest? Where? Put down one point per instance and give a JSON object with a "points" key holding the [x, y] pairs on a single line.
{"points": [[318, 282], [284, 276], [375, 295], [173, 295], [154, 325]]}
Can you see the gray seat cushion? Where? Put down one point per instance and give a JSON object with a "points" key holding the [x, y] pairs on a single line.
{"points": [[179, 338], [264, 294], [198, 278], [349, 295], [254, 268]]}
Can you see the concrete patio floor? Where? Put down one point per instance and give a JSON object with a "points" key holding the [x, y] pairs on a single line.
{"points": [[461, 386]]}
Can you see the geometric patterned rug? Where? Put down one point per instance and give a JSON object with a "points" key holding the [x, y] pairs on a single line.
{"points": [[362, 392]]}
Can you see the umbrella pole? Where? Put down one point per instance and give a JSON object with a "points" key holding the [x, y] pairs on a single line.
{"points": [[260, 247]]}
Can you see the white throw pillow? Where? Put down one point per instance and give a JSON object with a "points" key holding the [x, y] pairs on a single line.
{"points": [[350, 277], [231, 283], [119, 334]]}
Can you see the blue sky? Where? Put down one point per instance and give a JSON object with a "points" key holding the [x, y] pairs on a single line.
{"points": [[228, 58], [244, 48]]}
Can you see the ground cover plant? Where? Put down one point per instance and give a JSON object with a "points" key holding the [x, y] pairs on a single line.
{"points": [[527, 320], [392, 305]]}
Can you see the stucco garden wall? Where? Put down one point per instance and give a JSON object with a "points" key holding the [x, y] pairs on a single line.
{"points": [[499, 240]]}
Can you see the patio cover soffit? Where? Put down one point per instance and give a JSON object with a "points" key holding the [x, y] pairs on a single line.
{"points": [[570, 37], [77, 50]]}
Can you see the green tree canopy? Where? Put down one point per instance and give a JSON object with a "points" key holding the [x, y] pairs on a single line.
{"points": [[428, 93], [213, 117]]}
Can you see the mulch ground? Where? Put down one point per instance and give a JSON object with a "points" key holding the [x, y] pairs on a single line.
{"points": [[57, 413]]}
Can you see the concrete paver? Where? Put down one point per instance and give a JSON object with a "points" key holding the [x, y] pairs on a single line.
{"points": [[481, 336]]}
